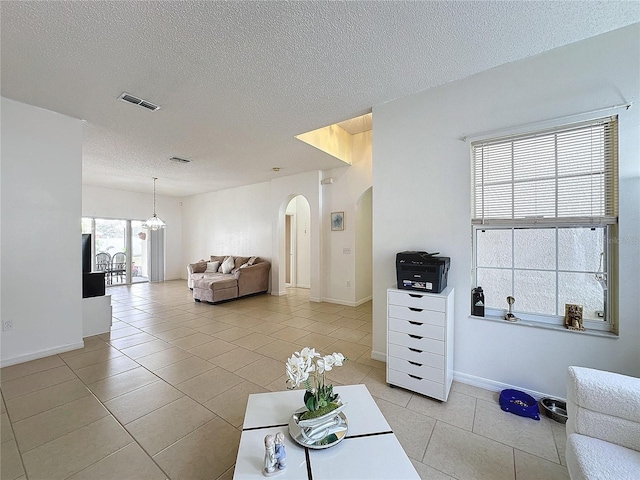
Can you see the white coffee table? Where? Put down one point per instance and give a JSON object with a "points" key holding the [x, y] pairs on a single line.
{"points": [[369, 451]]}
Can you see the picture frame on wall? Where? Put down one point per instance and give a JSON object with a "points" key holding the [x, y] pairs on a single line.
{"points": [[337, 221]]}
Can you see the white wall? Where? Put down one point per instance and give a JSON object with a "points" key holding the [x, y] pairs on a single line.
{"points": [[101, 202], [364, 248], [299, 208], [236, 221], [421, 173], [41, 258], [349, 183]]}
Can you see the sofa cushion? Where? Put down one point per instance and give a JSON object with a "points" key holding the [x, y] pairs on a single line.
{"points": [[239, 262], [212, 267], [227, 265], [218, 258], [199, 267], [216, 282]]}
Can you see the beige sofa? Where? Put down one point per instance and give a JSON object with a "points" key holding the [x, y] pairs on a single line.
{"points": [[210, 283]]}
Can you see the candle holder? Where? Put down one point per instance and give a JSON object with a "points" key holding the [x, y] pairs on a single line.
{"points": [[510, 317]]}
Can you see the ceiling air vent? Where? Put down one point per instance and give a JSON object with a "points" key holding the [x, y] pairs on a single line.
{"points": [[179, 160], [127, 97]]}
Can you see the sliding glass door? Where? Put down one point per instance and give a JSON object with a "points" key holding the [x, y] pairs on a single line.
{"points": [[120, 249]]}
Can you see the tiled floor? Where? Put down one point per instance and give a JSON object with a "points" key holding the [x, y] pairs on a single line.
{"points": [[163, 395]]}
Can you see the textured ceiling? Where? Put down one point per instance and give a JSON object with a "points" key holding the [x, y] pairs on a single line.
{"points": [[236, 81]]}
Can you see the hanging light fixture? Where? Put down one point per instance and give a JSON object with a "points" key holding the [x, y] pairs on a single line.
{"points": [[154, 223]]}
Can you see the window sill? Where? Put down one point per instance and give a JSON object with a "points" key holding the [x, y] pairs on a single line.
{"points": [[547, 326]]}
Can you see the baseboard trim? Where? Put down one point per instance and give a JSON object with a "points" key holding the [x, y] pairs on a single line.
{"points": [[380, 356], [364, 300], [494, 386], [41, 354], [278, 294]]}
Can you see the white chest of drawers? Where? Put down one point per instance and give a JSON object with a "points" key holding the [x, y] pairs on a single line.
{"points": [[420, 341]]}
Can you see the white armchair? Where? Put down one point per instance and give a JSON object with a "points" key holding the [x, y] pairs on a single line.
{"points": [[603, 426]]}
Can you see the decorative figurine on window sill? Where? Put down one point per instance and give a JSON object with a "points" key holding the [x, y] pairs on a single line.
{"points": [[573, 317], [510, 317]]}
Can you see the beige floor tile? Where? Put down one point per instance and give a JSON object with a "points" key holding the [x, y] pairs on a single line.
{"points": [[367, 327], [132, 340], [106, 369], [366, 340], [121, 383], [212, 349], [472, 391], [46, 399], [163, 358], [168, 313], [350, 373], [213, 328], [199, 321], [118, 324], [379, 388], [159, 327], [458, 410], [560, 436], [279, 317], [316, 340], [350, 350], [262, 372], [228, 475], [209, 384], [127, 463], [233, 333], [278, 350], [147, 348], [241, 321], [149, 322], [202, 455], [174, 334], [322, 328], [11, 464], [6, 433], [523, 433], [165, 426], [142, 401], [348, 334], [46, 426], [91, 358], [366, 359], [192, 341], [352, 323], [530, 467], [75, 451], [253, 341], [303, 312], [412, 429], [232, 404], [90, 343], [2, 408], [184, 370], [235, 359], [324, 317], [266, 328], [295, 322], [23, 369], [120, 333], [183, 318], [330, 308], [36, 381], [467, 456], [133, 318], [291, 334], [427, 472]]}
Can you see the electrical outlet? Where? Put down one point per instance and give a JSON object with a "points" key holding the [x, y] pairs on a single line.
{"points": [[7, 325]]}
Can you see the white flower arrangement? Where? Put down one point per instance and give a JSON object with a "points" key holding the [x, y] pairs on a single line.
{"points": [[308, 365]]}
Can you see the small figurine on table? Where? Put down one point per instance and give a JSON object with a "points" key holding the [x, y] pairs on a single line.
{"points": [[281, 454], [273, 464]]}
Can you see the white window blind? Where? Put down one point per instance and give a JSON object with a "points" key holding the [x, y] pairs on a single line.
{"points": [[565, 175]]}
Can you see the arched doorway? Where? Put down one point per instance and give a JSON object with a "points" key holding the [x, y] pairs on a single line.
{"points": [[297, 241]]}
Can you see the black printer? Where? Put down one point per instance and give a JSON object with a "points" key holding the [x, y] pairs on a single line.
{"points": [[422, 271]]}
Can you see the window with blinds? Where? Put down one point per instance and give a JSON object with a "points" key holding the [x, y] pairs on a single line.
{"points": [[566, 175], [544, 212]]}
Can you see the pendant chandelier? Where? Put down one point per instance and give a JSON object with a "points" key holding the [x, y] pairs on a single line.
{"points": [[154, 222]]}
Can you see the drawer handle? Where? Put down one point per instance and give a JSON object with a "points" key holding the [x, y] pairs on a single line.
{"points": [[413, 376], [415, 296], [415, 350], [415, 323], [416, 336], [414, 363], [416, 309]]}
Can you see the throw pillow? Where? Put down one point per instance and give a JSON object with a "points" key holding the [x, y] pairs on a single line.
{"points": [[227, 265], [252, 260], [199, 267], [212, 267]]}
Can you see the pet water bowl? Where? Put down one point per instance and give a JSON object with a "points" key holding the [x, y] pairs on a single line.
{"points": [[554, 409], [520, 403]]}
